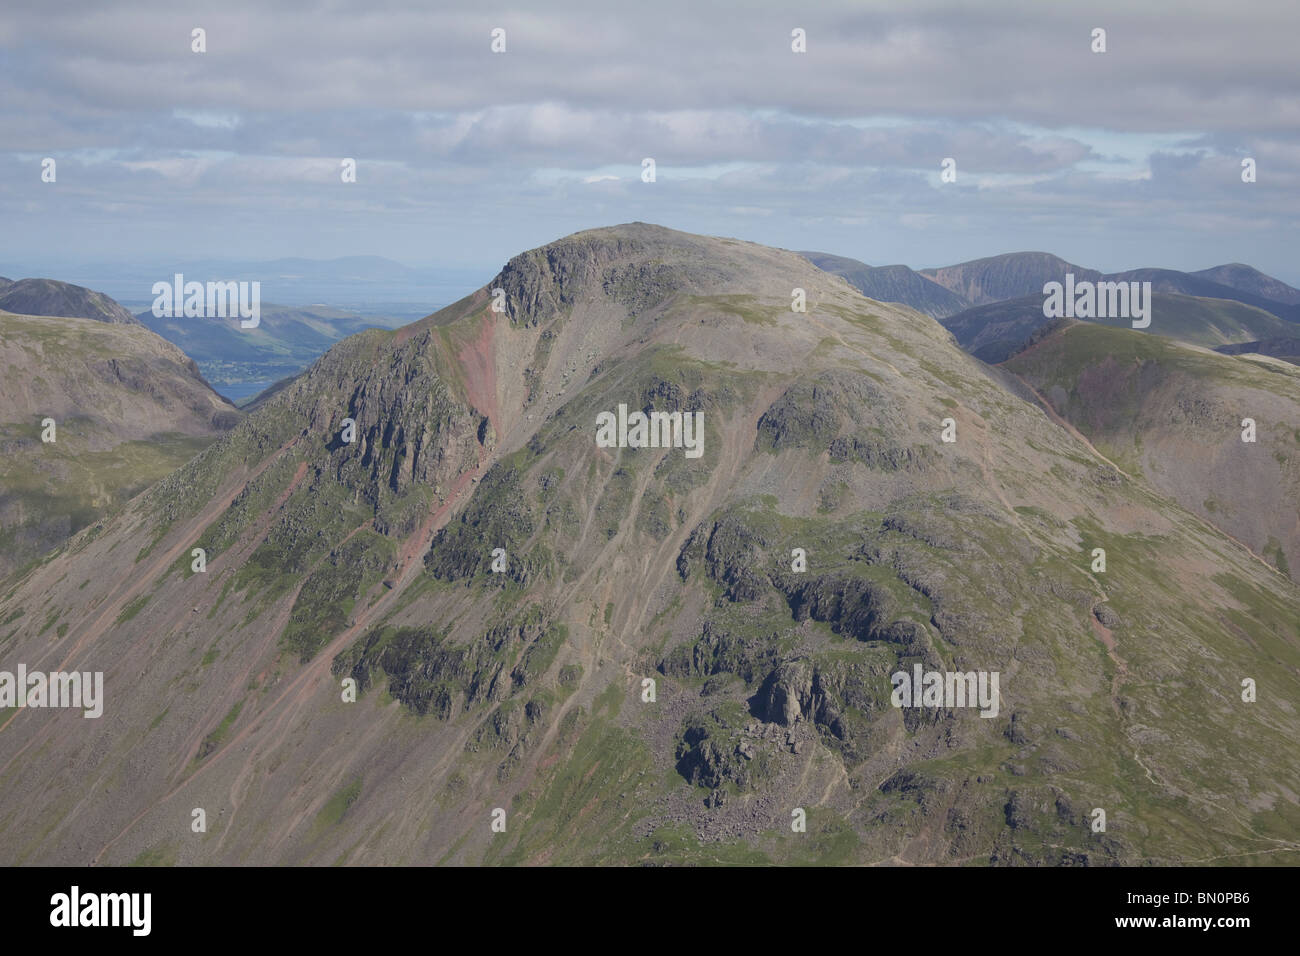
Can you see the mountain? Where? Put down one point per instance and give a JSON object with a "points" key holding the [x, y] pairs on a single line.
{"points": [[1007, 276], [129, 408], [1173, 415], [991, 300], [53, 298], [1184, 283], [569, 650], [286, 340], [1246, 279], [891, 284], [1019, 274], [996, 331]]}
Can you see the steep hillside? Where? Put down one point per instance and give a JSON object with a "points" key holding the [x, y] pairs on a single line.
{"points": [[644, 654], [54, 298], [994, 332], [128, 409], [891, 284], [1174, 415]]}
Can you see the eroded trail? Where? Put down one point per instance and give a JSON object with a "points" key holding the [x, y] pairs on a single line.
{"points": [[1107, 638], [1051, 413]]}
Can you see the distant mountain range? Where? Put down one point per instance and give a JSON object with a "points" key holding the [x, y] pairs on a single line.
{"points": [[358, 283], [994, 305], [994, 332], [238, 362]]}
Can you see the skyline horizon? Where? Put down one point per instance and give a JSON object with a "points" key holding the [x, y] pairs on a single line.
{"points": [[463, 270]]}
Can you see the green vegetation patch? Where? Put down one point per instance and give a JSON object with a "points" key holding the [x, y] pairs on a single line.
{"points": [[328, 596]]}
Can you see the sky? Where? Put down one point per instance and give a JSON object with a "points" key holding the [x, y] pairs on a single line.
{"points": [[465, 156]]}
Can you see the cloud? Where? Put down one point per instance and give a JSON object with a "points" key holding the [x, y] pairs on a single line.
{"points": [[456, 145]]}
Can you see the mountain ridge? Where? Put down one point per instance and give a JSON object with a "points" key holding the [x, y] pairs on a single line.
{"points": [[998, 279], [50, 297]]}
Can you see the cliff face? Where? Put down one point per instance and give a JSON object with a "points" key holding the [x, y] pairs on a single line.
{"points": [[642, 655]]}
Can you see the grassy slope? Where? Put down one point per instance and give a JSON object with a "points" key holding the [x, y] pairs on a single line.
{"points": [[49, 491], [1174, 415]]}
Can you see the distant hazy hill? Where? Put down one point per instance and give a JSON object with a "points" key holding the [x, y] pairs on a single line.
{"points": [[286, 341], [362, 283], [128, 407], [51, 297], [1186, 283], [994, 332], [1017, 274], [1286, 348], [346, 268], [891, 284], [1006, 276], [1236, 275]]}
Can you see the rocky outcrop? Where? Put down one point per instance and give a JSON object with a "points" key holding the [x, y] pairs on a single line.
{"points": [[431, 673], [718, 651], [713, 752]]}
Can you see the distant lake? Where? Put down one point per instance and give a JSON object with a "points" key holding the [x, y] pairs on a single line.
{"points": [[236, 391]]}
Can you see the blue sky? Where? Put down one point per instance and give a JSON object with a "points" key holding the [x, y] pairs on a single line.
{"points": [[465, 157]]}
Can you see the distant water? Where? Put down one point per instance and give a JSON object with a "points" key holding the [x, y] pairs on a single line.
{"points": [[237, 391]]}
